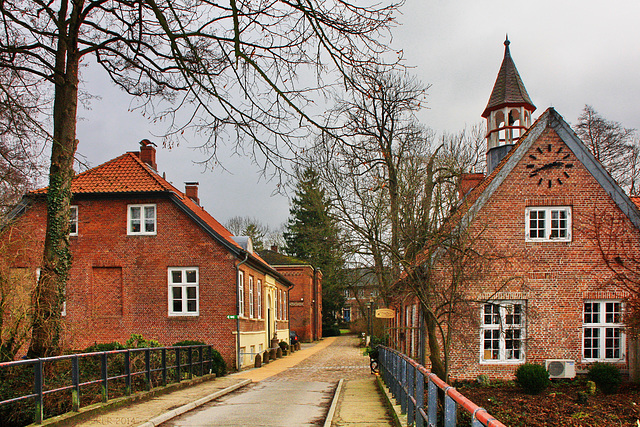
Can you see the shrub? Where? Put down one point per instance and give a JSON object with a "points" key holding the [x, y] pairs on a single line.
{"points": [[107, 346], [219, 366], [138, 341], [606, 376], [186, 343], [532, 378], [283, 345], [330, 331]]}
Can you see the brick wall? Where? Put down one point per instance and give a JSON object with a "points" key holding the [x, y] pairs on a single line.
{"points": [[553, 278], [118, 284]]}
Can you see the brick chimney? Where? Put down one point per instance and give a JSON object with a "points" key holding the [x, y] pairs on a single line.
{"points": [[274, 248], [148, 153], [469, 181], [191, 191]]}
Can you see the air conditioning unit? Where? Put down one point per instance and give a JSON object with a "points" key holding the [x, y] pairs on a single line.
{"points": [[560, 368]]}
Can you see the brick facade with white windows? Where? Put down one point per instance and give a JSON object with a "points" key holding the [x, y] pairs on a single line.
{"points": [[169, 275], [542, 217]]}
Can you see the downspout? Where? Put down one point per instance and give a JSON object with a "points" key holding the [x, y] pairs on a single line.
{"points": [[246, 257]]}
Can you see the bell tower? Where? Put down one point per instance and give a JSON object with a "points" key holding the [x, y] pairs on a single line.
{"points": [[508, 112]]}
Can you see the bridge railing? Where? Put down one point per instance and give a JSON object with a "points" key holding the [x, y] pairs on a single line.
{"points": [[410, 382], [157, 366]]}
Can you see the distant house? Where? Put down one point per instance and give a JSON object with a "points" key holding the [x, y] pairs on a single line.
{"points": [[361, 295], [305, 297], [148, 259], [552, 211]]}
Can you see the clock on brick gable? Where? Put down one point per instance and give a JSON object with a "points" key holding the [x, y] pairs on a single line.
{"points": [[550, 165]]}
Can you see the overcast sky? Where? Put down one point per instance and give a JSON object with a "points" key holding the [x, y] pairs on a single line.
{"points": [[569, 53]]}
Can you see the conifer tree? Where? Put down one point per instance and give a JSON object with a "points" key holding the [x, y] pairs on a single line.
{"points": [[312, 235]]}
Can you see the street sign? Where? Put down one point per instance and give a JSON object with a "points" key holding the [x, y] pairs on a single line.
{"points": [[385, 313], [232, 316]]}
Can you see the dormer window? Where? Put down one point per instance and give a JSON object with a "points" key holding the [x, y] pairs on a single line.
{"points": [[141, 220]]}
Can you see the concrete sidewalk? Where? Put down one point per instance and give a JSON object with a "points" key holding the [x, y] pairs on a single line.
{"points": [[359, 399]]}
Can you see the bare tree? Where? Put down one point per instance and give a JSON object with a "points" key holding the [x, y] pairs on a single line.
{"points": [[22, 137], [246, 69], [613, 145]]}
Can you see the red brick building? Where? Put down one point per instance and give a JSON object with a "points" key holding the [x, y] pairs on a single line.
{"points": [[552, 215], [147, 259], [305, 297]]}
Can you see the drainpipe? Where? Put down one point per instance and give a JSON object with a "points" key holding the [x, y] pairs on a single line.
{"points": [[246, 257]]}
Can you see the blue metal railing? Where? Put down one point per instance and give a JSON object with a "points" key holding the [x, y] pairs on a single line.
{"points": [[406, 380], [127, 367]]}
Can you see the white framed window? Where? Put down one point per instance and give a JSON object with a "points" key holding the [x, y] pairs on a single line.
{"points": [[259, 292], [502, 332], [603, 338], [184, 291], [251, 306], [548, 224], [141, 219], [73, 221], [241, 293], [285, 303]]}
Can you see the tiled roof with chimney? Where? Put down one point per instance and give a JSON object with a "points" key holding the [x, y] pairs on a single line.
{"points": [[128, 174], [508, 88]]}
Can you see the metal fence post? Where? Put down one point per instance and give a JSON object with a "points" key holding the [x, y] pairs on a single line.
{"points": [[127, 372], [432, 404], [200, 352], [450, 409], [403, 385], [164, 366], [75, 379], [190, 361], [411, 408], [105, 377], [37, 390], [419, 397], [178, 373], [147, 367]]}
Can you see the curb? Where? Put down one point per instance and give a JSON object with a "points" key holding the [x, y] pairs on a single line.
{"points": [[399, 418], [334, 404], [189, 406]]}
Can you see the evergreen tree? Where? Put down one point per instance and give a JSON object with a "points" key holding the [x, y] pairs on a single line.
{"points": [[312, 235]]}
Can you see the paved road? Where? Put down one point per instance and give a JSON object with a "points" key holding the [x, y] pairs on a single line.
{"points": [[298, 396]]}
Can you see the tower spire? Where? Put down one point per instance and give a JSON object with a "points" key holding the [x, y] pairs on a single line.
{"points": [[508, 111]]}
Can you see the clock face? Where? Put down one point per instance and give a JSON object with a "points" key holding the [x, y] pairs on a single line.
{"points": [[550, 166]]}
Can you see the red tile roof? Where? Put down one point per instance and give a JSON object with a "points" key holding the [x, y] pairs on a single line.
{"points": [[636, 201], [124, 174], [128, 174]]}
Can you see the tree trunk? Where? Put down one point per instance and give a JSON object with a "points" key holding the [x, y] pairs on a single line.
{"points": [[437, 366], [48, 297]]}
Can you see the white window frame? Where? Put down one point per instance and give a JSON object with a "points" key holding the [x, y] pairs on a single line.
{"points": [[143, 220], [184, 285], [73, 220], [259, 292], [251, 306], [502, 330], [549, 224], [241, 293], [285, 305], [607, 321]]}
